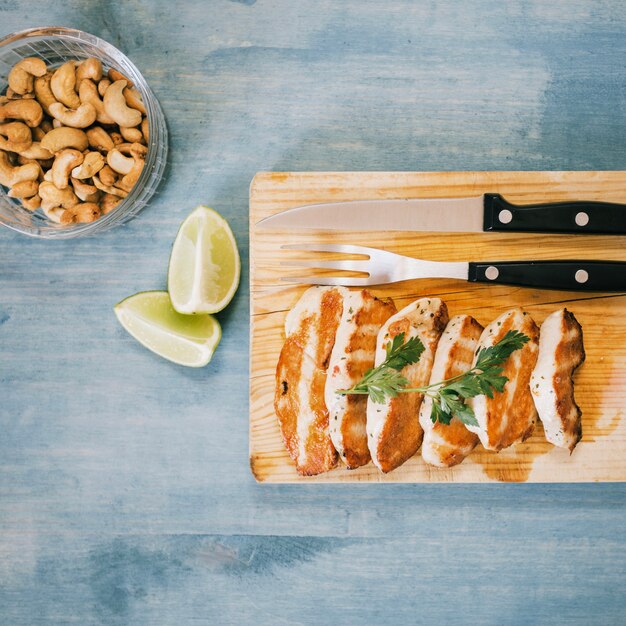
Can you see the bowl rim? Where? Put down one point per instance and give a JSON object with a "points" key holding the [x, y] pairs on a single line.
{"points": [[156, 158]]}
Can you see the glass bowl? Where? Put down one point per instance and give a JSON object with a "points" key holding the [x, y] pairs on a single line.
{"points": [[56, 45]]}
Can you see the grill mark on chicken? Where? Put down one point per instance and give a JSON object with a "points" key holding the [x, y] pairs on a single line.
{"points": [[394, 431], [446, 445], [352, 356], [510, 416], [561, 352], [301, 377]]}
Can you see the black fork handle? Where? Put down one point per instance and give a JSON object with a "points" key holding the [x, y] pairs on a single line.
{"points": [[561, 275]]}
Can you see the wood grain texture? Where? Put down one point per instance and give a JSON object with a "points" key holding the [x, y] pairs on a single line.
{"points": [[600, 382], [126, 496]]}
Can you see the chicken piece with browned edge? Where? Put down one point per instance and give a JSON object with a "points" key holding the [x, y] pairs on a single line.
{"points": [[393, 427], [509, 417], [352, 356], [310, 329], [561, 352], [446, 445]]}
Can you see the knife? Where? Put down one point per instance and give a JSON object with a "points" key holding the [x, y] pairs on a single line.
{"points": [[489, 212]]}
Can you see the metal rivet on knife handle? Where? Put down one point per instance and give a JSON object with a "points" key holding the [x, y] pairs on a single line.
{"points": [[492, 272], [581, 276], [582, 219], [505, 216]]}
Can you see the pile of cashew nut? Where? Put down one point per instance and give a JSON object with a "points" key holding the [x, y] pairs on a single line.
{"points": [[72, 141]]}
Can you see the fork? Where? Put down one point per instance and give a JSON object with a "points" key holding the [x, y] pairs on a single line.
{"points": [[385, 267]]}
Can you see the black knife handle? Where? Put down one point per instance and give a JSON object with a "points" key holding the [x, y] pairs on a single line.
{"points": [[561, 275], [600, 218]]}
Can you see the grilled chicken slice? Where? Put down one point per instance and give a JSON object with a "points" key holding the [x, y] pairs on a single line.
{"points": [[394, 431], [561, 351], [446, 445], [310, 330], [509, 416], [352, 356]]}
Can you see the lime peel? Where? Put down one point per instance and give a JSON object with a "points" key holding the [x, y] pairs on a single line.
{"points": [[205, 267], [149, 317]]}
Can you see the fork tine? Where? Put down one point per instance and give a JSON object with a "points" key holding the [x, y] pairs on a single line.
{"points": [[329, 247], [360, 265], [353, 266], [325, 280]]}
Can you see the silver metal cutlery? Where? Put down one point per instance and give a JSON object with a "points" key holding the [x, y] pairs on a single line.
{"points": [[489, 212], [384, 267]]}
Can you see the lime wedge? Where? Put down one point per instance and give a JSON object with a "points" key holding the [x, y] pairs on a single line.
{"points": [[204, 265], [187, 340]]}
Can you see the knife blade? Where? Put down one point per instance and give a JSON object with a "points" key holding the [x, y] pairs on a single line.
{"points": [[488, 212]]}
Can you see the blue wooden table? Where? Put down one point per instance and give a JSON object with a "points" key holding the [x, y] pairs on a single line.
{"points": [[125, 491]]}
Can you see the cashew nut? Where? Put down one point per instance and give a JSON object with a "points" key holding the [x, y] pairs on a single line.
{"points": [[118, 162], [64, 163], [36, 151], [18, 137], [92, 164], [145, 129], [103, 85], [83, 116], [86, 192], [99, 139], [12, 95], [52, 196], [87, 212], [11, 175], [116, 107], [22, 74], [43, 93], [63, 85], [84, 212], [38, 133], [114, 75], [29, 111], [88, 94], [131, 166], [53, 213], [32, 204], [129, 181], [24, 189], [107, 176], [60, 138], [121, 193], [133, 135], [89, 68], [46, 126], [117, 138], [109, 202], [134, 99], [24, 161], [68, 216], [133, 148]]}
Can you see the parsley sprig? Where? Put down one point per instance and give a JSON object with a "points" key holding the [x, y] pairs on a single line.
{"points": [[448, 396], [386, 381]]}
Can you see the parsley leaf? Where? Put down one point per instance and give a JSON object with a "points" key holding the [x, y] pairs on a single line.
{"points": [[448, 396], [385, 381]]}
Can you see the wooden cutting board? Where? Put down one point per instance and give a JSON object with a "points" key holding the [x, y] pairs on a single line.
{"points": [[600, 382]]}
